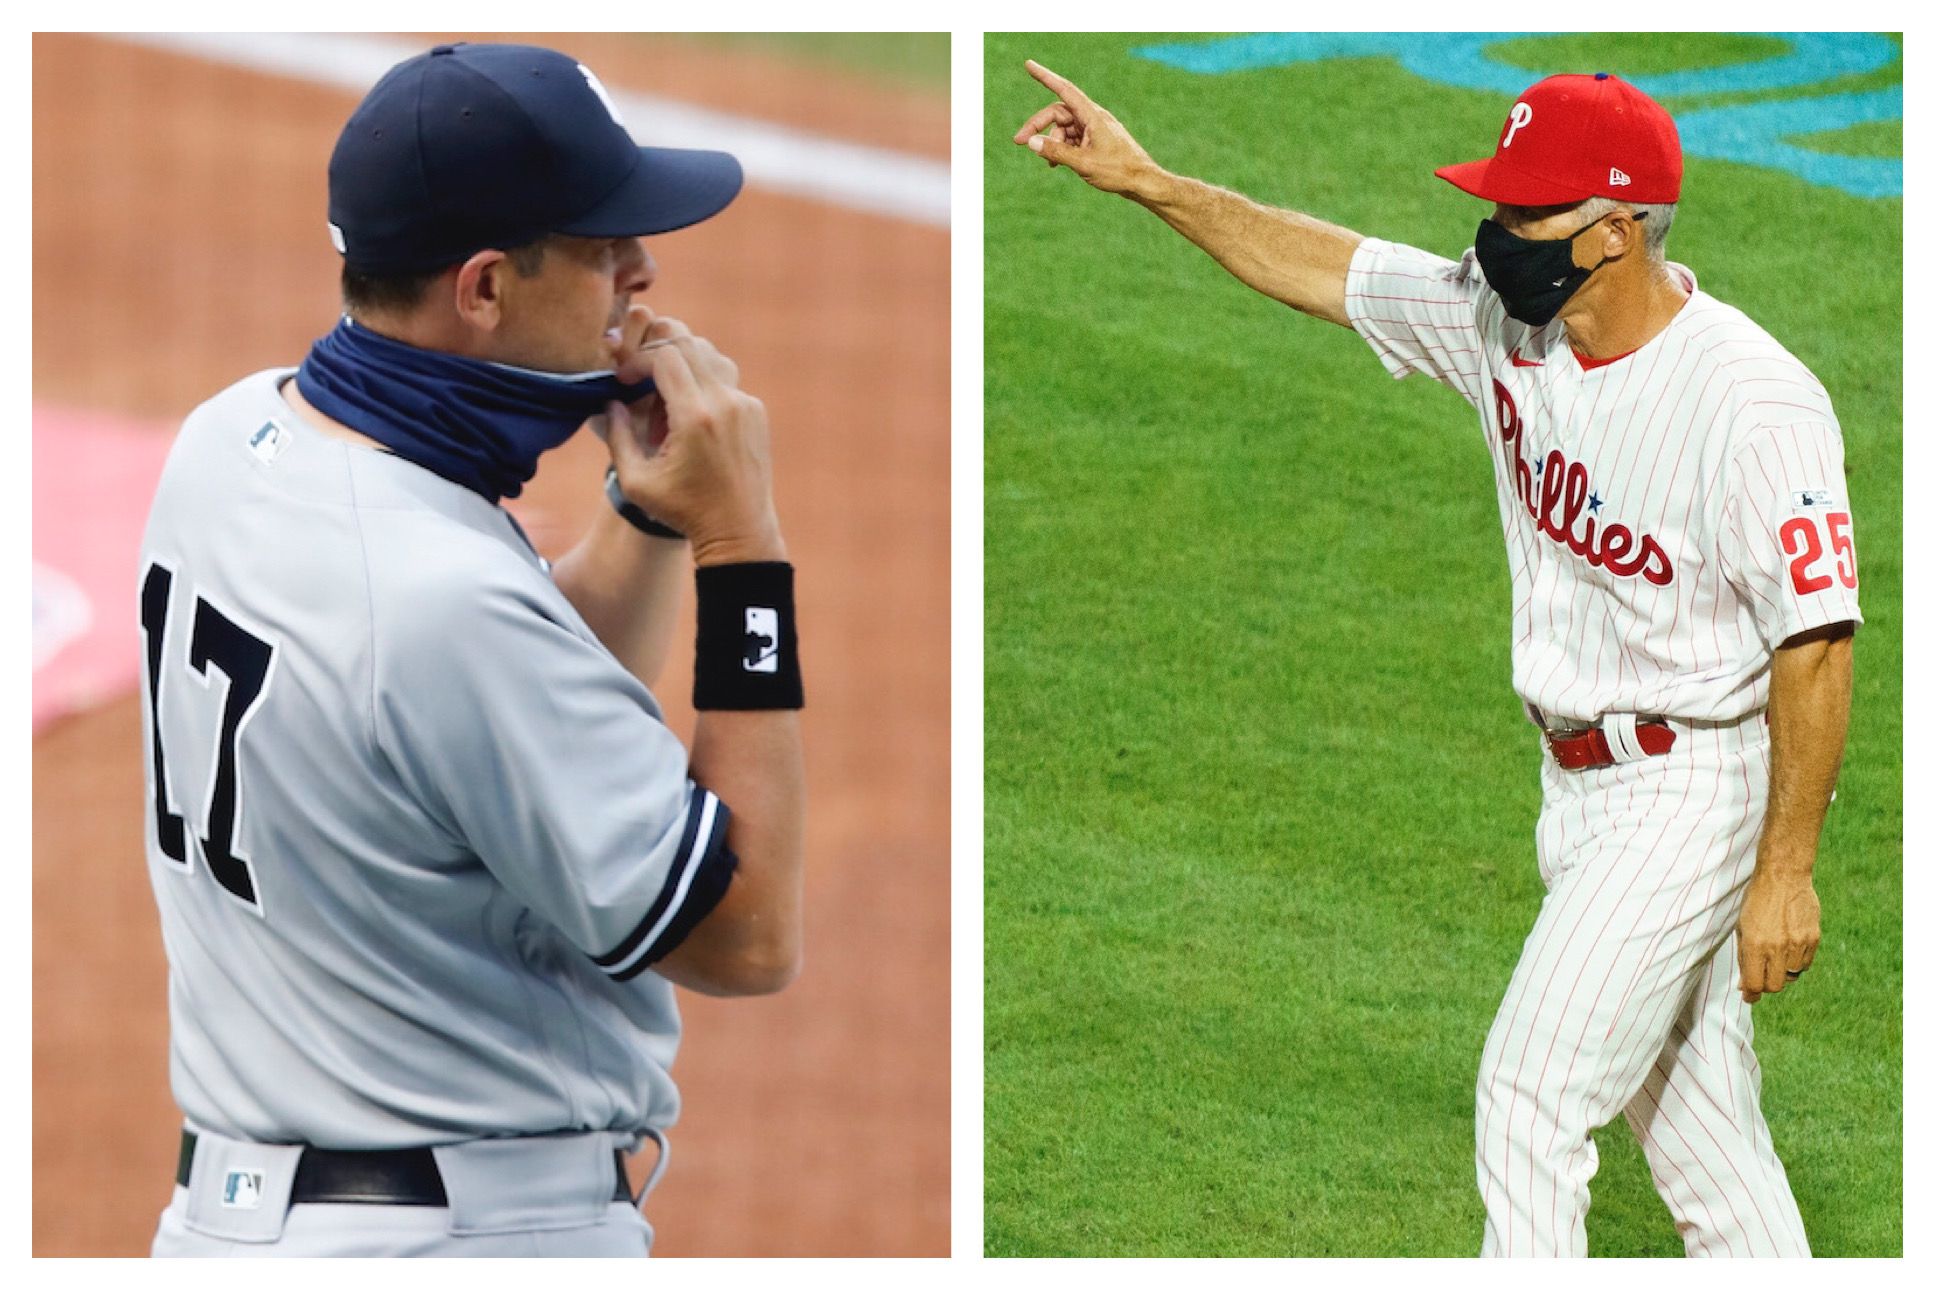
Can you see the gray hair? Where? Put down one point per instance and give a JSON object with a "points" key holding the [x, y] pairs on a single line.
{"points": [[1659, 218]]}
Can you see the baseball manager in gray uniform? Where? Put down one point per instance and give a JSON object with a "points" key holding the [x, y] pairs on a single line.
{"points": [[427, 859]]}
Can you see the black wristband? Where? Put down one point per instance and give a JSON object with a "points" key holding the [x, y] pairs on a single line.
{"points": [[635, 515], [748, 653]]}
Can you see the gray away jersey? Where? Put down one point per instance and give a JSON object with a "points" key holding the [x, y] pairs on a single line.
{"points": [[415, 835]]}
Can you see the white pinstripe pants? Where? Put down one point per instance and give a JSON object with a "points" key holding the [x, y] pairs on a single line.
{"points": [[1626, 998]]}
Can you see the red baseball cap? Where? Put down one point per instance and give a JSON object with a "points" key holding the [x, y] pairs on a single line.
{"points": [[1573, 137]]}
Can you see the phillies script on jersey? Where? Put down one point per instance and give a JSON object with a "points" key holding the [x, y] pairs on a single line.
{"points": [[1558, 493], [1670, 517]]}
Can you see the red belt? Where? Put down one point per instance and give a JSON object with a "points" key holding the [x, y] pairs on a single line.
{"points": [[1584, 749]]}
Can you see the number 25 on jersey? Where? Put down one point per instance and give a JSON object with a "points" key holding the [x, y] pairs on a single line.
{"points": [[246, 660], [1800, 538]]}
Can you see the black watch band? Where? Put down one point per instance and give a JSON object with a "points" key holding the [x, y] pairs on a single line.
{"points": [[634, 514]]}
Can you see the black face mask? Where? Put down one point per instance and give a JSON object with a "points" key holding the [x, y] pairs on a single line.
{"points": [[1533, 279]]}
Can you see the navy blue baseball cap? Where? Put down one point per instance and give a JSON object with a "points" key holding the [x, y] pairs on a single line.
{"points": [[469, 147]]}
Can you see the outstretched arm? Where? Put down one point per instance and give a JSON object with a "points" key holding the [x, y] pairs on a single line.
{"points": [[1287, 256]]}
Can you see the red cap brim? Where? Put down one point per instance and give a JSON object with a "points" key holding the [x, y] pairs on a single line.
{"points": [[1506, 185]]}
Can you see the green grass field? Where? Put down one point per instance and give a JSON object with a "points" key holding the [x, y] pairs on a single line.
{"points": [[1259, 796], [913, 59]]}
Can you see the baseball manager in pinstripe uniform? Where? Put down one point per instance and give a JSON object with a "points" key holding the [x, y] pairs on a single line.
{"points": [[1681, 547]]}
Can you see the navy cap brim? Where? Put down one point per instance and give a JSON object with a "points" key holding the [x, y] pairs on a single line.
{"points": [[669, 188]]}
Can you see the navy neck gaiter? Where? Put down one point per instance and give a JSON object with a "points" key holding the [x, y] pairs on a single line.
{"points": [[479, 424]]}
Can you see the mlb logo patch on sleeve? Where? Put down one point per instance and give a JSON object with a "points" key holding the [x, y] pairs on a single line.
{"points": [[268, 441]]}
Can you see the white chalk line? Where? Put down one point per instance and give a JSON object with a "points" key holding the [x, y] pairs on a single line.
{"points": [[777, 158]]}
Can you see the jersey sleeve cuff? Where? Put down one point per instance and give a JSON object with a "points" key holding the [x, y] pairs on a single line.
{"points": [[1366, 262], [700, 872], [1363, 262], [1817, 613]]}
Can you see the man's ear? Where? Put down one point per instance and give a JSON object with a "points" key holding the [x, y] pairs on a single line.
{"points": [[1623, 233], [479, 290]]}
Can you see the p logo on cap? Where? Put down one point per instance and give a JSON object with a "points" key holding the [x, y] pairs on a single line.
{"points": [[1598, 136], [1520, 118]]}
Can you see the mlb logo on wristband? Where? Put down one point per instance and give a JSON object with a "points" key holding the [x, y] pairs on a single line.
{"points": [[762, 639]]}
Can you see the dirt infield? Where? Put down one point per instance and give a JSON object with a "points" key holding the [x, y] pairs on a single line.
{"points": [[179, 244]]}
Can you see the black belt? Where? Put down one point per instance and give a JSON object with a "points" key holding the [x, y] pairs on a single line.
{"points": [[406, 1177]]}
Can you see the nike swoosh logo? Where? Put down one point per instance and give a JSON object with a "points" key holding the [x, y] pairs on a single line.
{"points": [[1522, 362]]}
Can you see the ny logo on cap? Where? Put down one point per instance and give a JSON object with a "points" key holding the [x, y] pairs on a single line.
{"points": [[598, 88], [1619, 177], [1521, 117]]}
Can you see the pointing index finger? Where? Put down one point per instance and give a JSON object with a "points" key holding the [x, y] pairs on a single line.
{"points": [[1067, 89]]}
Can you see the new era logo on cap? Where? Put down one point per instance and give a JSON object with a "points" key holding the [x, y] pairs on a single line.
{"points": [[1619, 177]]}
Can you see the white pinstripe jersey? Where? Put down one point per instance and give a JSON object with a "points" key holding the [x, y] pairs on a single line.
{"points": [[1670, 517], [414, 833]]}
